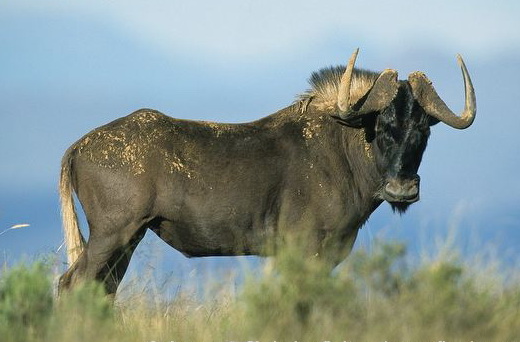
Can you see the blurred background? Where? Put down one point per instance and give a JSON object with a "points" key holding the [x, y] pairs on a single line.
{"points": [[69, 67]]}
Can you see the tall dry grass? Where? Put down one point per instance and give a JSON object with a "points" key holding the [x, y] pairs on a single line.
{"points": [[381, 295]]}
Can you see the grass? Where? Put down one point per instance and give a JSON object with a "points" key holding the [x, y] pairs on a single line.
{"points": [[378, 296]]}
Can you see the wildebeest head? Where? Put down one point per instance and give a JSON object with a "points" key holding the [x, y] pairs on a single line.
{"points": [[397, 116]]}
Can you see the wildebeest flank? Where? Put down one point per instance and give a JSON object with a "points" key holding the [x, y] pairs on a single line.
{"points": [[322, 164]]}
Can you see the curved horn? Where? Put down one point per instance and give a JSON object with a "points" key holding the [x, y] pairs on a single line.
{"points": [[382, 92], [346, 81], [428, 98]]}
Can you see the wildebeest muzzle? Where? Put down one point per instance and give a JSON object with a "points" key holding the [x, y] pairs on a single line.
{"points": [[402, 190]]}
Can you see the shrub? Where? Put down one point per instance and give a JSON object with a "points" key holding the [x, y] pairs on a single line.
{"points": [[376, 296], [25, 301]]}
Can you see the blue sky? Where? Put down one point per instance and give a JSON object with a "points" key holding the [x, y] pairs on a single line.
{"points": [[68, 67]]}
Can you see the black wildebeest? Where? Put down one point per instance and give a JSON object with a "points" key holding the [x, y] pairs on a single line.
{"points": [[323, 164]]}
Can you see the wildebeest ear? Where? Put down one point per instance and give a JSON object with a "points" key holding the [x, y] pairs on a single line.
{"points": [[362, 113]]}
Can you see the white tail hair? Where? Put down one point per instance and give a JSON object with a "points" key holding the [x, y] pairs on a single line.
{"points": [[74, 240]]}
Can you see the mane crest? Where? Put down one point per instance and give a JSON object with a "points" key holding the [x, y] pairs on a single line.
{"points": [[325, 86]]}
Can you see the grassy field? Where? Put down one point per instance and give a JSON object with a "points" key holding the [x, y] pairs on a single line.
{"points": [[378, 296]]}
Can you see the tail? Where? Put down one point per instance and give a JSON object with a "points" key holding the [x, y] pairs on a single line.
{"points": [[74, 241]]}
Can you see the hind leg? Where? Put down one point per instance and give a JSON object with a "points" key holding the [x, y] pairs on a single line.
{"points": [[114, 269], [105, 258]]}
